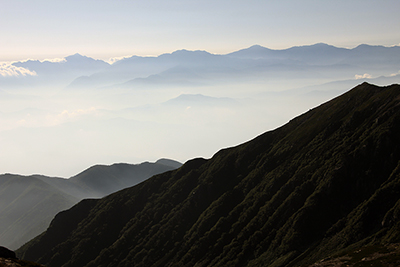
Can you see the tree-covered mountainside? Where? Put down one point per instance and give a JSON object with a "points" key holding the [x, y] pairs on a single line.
{"points": [[326, 182], [9, 259], [29, 203], [18, 263]]}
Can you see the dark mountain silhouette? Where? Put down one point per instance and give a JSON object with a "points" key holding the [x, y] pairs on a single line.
{"points": [[326, 183], [6, 253], [18, 263], [29, 203], [170, 163], [9, 259]]}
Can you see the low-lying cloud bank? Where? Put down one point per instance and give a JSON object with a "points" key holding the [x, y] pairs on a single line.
{"points": [[7, 69]]}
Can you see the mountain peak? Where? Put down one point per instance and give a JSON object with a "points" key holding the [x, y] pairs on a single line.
{"points": [[184, 52], [256, 47], [78, 56], [169, 162], [75, 56], [313, 47], [253, 52]]}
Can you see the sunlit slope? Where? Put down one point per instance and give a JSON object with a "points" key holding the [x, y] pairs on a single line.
{"points": [[327, 180]]}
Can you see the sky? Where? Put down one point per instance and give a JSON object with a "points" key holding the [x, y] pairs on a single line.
{"points": [[103, 29], [58, 134]]}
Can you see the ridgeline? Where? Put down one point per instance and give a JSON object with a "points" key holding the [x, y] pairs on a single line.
{"points": [[325, 183]]}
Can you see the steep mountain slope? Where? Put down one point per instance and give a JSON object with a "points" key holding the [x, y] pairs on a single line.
{"points": [[326, 181], [29, 203], [18, 263]]}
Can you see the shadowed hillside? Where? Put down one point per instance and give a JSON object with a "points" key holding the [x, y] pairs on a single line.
{"points": [[327, 181], [29, 203]]}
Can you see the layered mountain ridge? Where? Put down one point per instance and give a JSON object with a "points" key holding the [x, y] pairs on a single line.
{"points": [[29, 203], [325, 182], [201, 68]]}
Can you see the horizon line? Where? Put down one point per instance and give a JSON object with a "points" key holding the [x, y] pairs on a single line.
{"points": [[112, 60]]}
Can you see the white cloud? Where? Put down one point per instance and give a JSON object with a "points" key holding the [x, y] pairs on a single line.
{"points": [[76, 113], [394, 74], [115, 59], [54, 60], [362, 76], [6, 69]]}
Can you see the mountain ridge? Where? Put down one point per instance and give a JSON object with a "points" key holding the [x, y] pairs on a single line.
{"points": [[326, 181], [28, 203], [199, 67], [252, 63]]}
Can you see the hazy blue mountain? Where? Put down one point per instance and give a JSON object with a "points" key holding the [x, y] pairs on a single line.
{"points": [[120, 72], [54, 74], [254, 52], [181, 67], [324, 54], [317, 54], [332, 88], [72, 65], [200, 100], [175, 76], [185, 108], [129, 69], [188, 68], [28, 203]]}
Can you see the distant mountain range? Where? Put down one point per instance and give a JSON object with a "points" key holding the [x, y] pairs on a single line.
{"points": [[195, 68], [322, 62], [323, 186], [28, 203], [71, 65]]}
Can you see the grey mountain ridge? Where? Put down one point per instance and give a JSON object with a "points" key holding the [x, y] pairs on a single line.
{"points": [[28, 203], [187, 68], [256, 61]]}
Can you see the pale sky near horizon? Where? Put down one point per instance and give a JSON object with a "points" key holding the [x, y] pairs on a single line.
{"points": [[103, 28], [52, 131]]}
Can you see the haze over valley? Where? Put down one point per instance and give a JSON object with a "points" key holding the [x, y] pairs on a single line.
{"points": [[60, 116], [199, 133], [29, 203]]}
